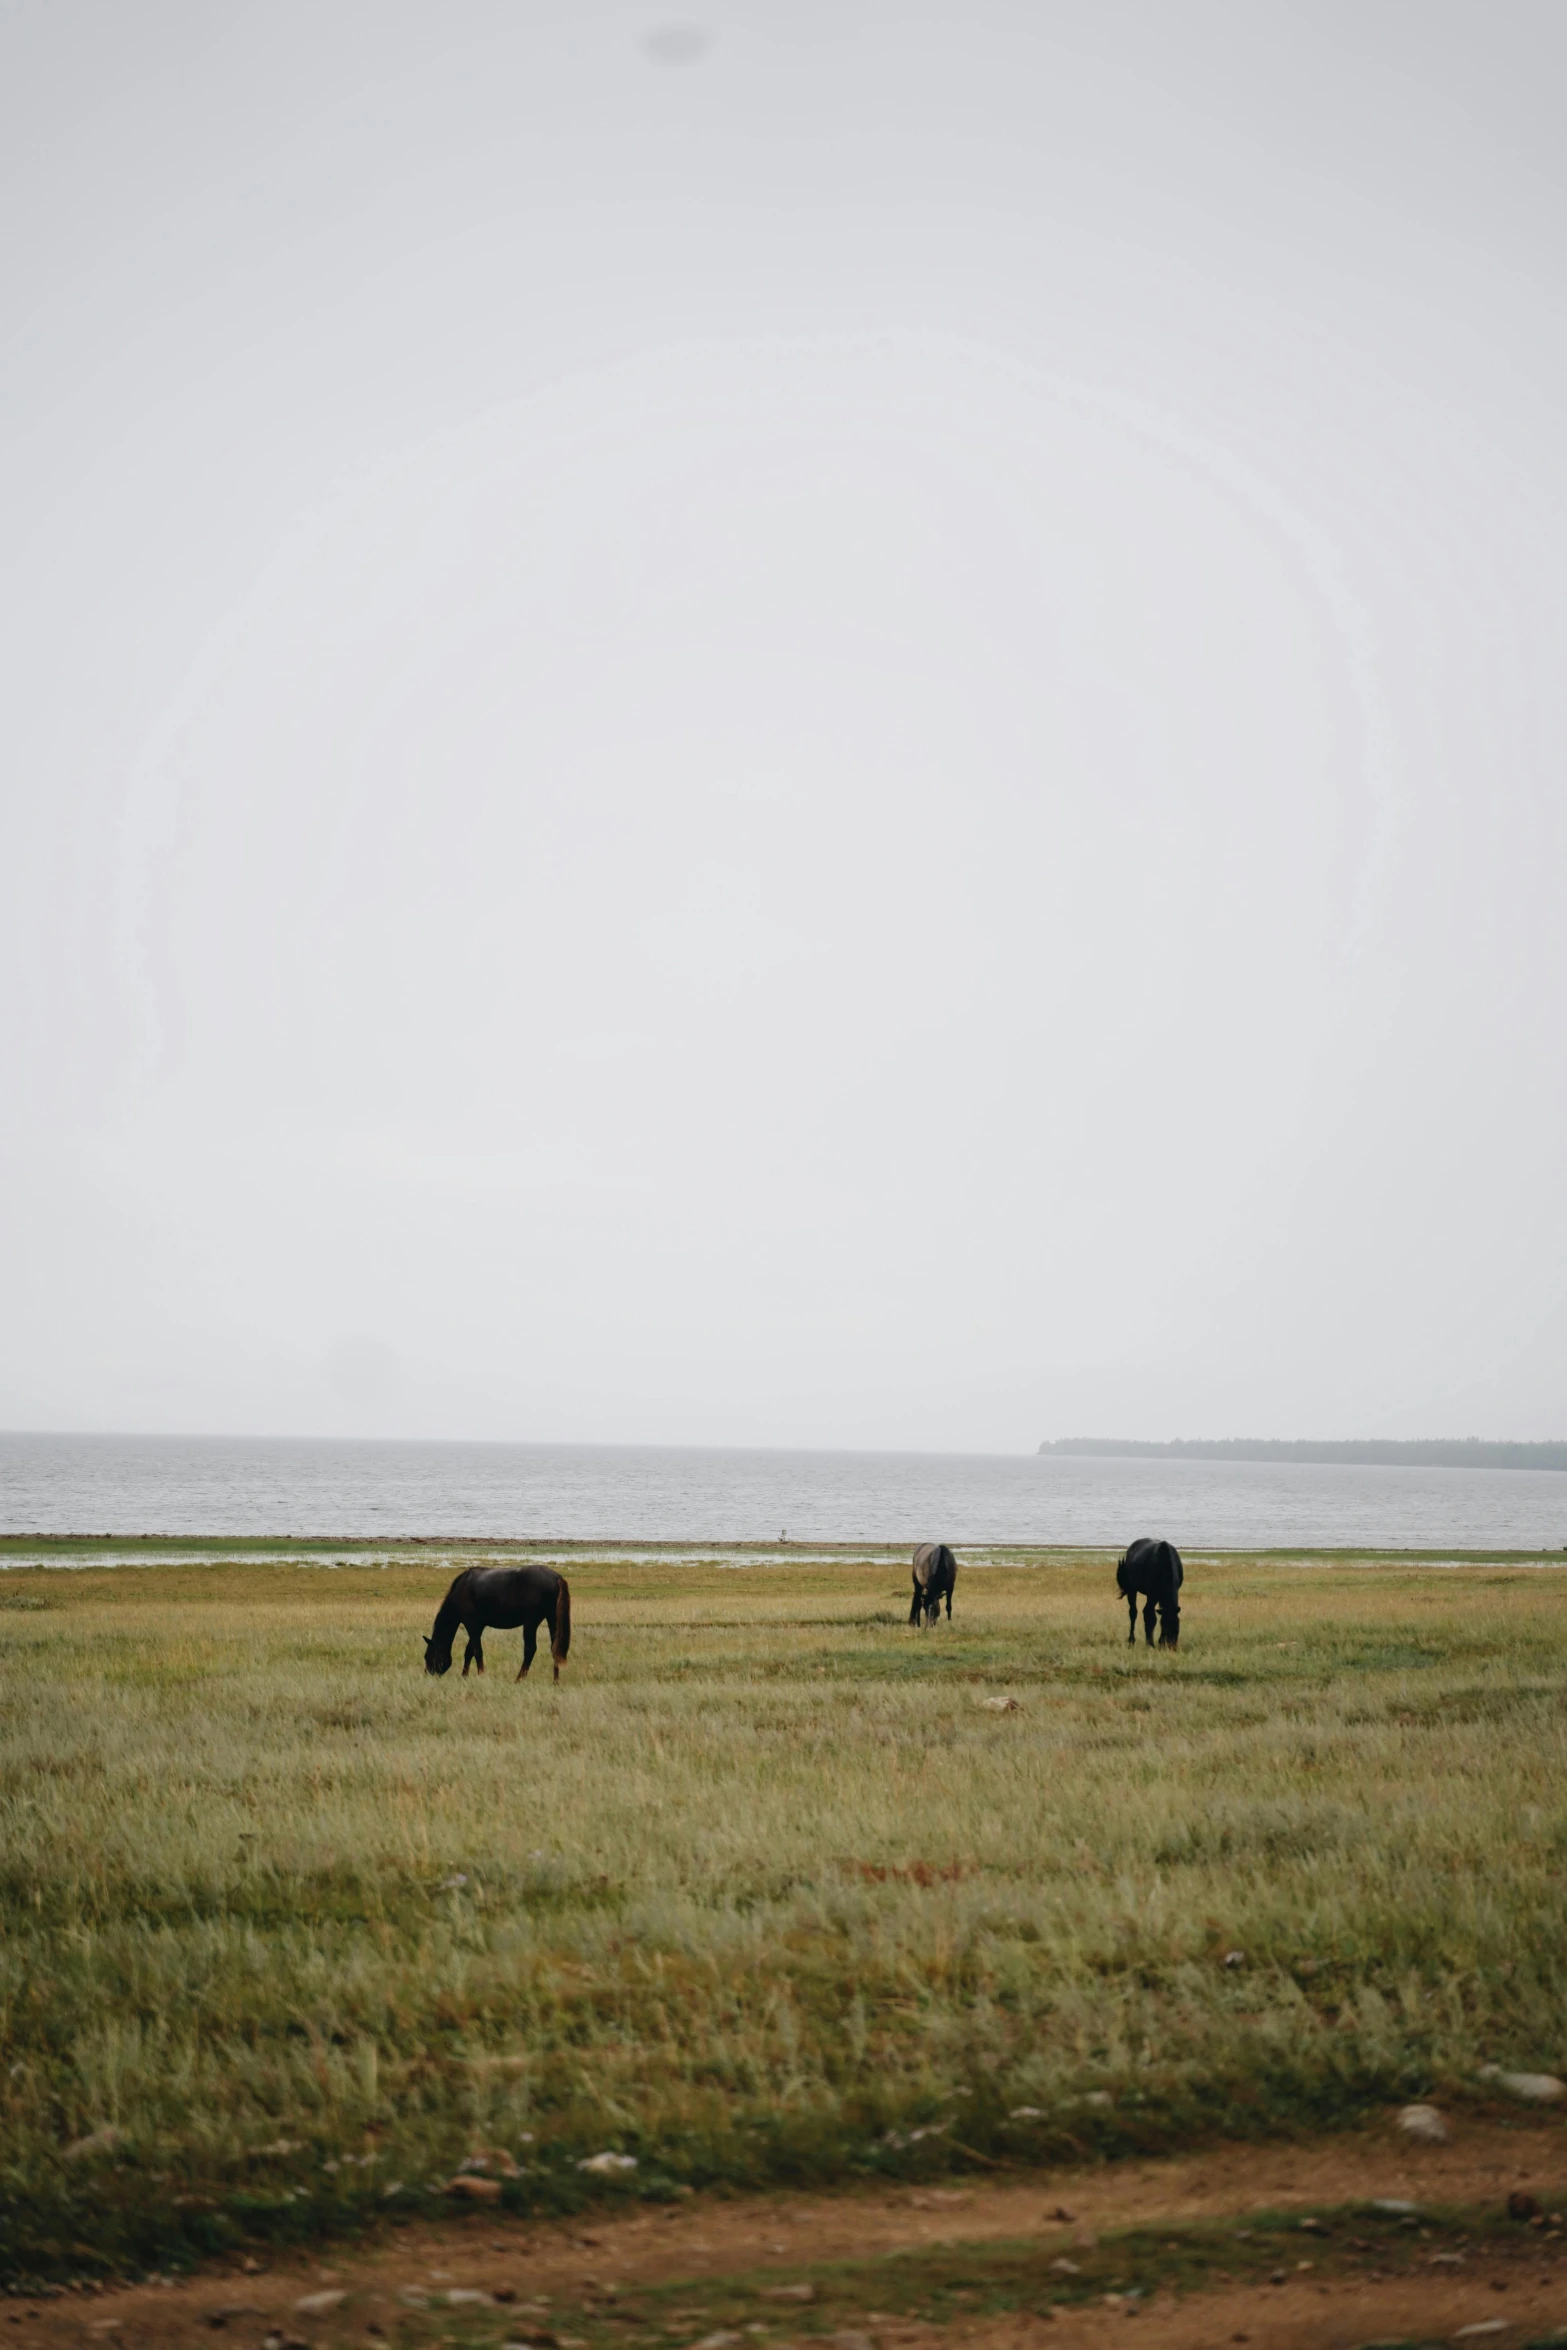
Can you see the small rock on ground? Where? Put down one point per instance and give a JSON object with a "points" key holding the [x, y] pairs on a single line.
{"points": [[1533, 2088], [1424, 2124]]}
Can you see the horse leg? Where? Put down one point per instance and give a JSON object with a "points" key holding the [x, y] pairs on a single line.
{"points": [[475, 1649], [1131, 1607], [914, 1611], [1148, 1616], [530, 1641]]}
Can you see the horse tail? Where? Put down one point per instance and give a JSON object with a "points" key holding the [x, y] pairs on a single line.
{"points": [[560, 1636]]}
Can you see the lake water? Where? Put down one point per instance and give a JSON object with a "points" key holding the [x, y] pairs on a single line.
{"points": [[274, 1486]]}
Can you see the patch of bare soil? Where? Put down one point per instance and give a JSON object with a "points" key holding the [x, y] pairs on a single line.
{"points": [[524, 2275]]}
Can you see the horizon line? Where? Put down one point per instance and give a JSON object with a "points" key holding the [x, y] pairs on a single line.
{"points": [[1349, 1448]]}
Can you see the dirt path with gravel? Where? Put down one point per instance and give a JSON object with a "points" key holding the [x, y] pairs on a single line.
{"points": [[525, 2277]]}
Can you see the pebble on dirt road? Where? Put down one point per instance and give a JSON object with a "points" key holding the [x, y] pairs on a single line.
{"points": [[1424, 2124], [1533, 2088]]}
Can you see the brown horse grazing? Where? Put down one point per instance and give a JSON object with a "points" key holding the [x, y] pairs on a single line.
{"points": [[502, 1598], [935, 1572]]}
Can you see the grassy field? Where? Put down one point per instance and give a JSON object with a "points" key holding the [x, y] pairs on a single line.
{"points": [[772, 1888]]}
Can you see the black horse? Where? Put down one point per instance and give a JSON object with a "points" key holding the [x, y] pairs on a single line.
{"points": [[935, 1572], [1154, 1571], [502, 1597]]}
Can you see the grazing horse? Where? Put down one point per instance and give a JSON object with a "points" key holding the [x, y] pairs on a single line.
{"points": [[502, 1597], [935, 1572], [1154, 1570]]}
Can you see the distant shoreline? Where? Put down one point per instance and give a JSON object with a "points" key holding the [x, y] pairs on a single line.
{"points": [[1438, 1452]]}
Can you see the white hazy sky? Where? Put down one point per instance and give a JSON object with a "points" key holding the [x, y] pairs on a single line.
{"points": [[820, 722]]}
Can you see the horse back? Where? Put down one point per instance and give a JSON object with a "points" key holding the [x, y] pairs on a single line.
{"points": [[1129, 1566], [509, 1596], [1149, 1566]]}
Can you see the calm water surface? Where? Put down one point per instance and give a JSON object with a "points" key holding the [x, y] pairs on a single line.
{"points": [[272, 1486]]}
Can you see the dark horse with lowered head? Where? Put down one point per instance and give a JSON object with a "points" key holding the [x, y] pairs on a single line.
{"points": [[501, 1598], [1152, 1571], [935, 1572]]}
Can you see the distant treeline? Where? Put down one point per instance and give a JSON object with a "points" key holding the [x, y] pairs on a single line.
{"points": [[1426, 1452]]}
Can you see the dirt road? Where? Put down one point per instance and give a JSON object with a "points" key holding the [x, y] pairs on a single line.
{"points": [[766, 2273]]}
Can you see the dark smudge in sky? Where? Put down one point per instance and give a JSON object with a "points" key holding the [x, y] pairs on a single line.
{"points": [[677, 44]]}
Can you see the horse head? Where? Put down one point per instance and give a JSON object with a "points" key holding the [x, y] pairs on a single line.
{"points": [[437, 1660]]}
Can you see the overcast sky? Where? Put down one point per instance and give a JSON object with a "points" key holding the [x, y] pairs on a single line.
{"points": [[835, 723]]}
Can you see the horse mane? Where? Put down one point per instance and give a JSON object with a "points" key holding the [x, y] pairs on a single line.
{"points": [[449, 1614]]}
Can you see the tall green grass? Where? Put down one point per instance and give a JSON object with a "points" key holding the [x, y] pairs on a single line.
{"points": [[762, 1891]]}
